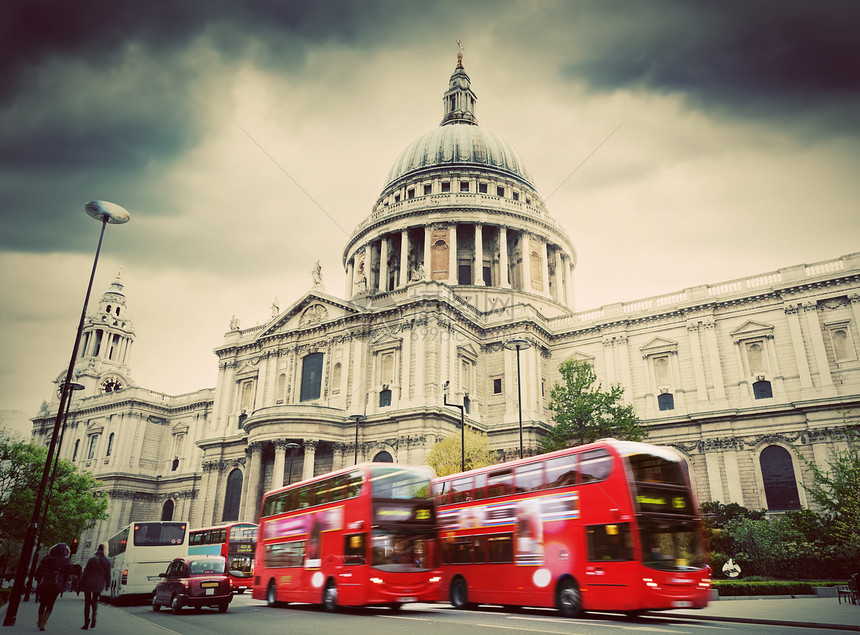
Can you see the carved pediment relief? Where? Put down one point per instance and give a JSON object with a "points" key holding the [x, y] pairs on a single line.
{"points": [[308, 311], [752, 329], [468, 351], [247, 369], [580, 357], [386, 342], [659, 345]]}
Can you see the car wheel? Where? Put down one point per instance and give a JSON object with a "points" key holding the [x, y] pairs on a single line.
{"points": [[222, 608], [569, 599], [330, 597], [240, 591], [459, 593], [175, 605], [272, 594], [155, 605]]}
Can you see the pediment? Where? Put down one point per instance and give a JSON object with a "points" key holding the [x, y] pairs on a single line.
{"points": [[307, 312], [386, 341], [247, 368], [468, 351], [751, 328], [659, 345], [580, 357]]}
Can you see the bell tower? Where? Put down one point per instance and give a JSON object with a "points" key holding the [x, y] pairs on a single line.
{"points": [[102, 363]]}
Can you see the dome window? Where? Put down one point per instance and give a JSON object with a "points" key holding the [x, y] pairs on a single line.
{"points": [[428, 190], [500, 191], [446, 186], [397, 198], [482, 188], [410, 193], [516, 196], [107, 310], [464, 186]]}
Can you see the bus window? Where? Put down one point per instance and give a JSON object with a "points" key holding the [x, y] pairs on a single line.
{"points": [[561, 471], [529, 478], [354, 486], [596, 466], [500, 548], [461, 490], [648, 468], [159, 534], [461, 551], [285, 554], [480, 549], [440, 491], [480, 486], [303, 495], [353, 549], [499, 483], [609, 542], [338, 488]]}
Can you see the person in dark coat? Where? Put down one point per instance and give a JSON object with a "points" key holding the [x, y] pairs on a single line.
{"points": [[96, 576], [51, 577]]}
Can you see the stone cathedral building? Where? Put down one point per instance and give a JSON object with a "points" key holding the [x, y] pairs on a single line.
{"points": [[458, 256]]}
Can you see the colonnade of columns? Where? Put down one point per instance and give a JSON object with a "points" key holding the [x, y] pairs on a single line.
{"points": [[462, 254]]}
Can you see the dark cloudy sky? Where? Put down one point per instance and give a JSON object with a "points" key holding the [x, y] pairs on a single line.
{"points": [[247, 139]]}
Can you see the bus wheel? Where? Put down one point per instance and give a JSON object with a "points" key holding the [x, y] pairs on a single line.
{"points": [[271, 594], [568, 599], [330, 597], [175, 605], [459, 593], [395, 606]]}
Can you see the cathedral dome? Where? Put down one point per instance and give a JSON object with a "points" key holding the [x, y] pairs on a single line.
{"points": [[459, 144]]}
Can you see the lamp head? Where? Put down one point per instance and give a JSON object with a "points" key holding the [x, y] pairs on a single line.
{"points": [[101, 210], [445, 387]]}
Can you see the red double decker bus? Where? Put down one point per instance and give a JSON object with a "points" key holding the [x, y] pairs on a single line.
{"points": [[360, 536], [608, 526], [237, 542]]}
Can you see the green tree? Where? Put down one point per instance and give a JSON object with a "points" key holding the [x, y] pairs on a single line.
{"points": [[584, 412], [445, 455], [74, 504], [836, 488]]}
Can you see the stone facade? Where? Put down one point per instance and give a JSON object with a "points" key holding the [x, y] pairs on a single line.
{"points": [[458, 257]]}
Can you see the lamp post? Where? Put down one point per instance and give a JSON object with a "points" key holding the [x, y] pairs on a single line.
{"points": [[518, 345], [106, 213], [292, 447], [462, 424], [29, 585], [358, 419]]}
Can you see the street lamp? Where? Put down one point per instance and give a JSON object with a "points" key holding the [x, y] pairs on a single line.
{"points": [[518, 345], [106, 213], [74, 386], [462, 424], [358, 419], [292, 447]]}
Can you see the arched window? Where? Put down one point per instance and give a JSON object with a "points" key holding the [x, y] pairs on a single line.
{"points": [[110, 445], [167, 510], [777, 473], [666, 401], [384, 398], [336, 374], [762, 390], [311, 376], [383, 457], [755, 357], [232, 496], [282, 388]]}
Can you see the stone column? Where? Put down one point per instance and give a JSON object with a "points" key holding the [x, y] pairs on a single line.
{"points": [[383, 264], [714, 357], [698, 366], [791, 314], [559, 278], [350, 283], [814, 327], [544, 267], [252, 488], [337, 456], [404, 259], [310, 456], [479, 256], [452, 254], [526, 264], [427, 254], [504, 280], [280, 461]]}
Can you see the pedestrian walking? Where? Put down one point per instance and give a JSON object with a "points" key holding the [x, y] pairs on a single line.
{"points": [[96, 576], [51, 579]]}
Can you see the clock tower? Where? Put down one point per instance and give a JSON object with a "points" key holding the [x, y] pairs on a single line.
{"points": [[102, 364]]}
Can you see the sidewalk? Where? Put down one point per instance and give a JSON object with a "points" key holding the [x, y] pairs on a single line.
{"points": [[805, 612], [809, 612], [68, 617]]}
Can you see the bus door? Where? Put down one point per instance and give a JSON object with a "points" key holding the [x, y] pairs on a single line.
{"points": [[610, 568]]}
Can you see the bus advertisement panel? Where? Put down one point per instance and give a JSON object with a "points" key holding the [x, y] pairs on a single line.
{"points": [[237, 542], [610, 526], [360, 536], [139, 552]]}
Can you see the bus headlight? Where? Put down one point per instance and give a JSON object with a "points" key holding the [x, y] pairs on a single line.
{"points": [[434, 579], [376, 580], [649, 582]]}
